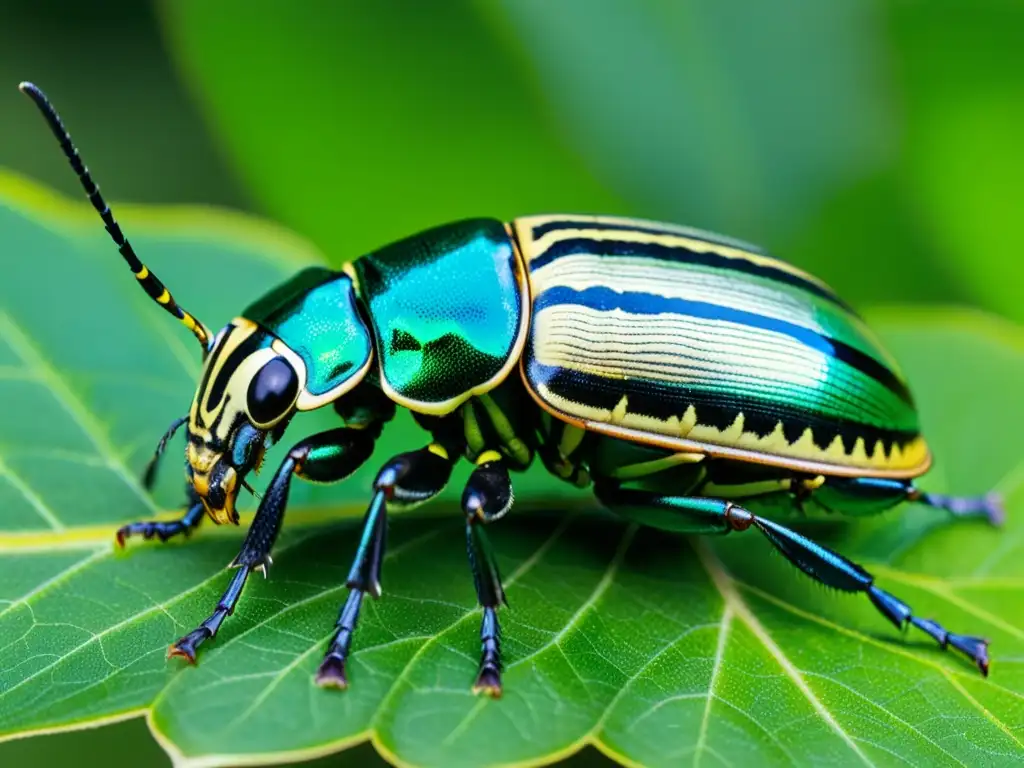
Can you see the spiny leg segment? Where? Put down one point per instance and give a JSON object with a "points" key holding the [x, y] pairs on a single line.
{"points": [[821, 564]]}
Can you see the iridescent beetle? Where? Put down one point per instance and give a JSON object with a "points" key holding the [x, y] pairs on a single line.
{"points": [[673, 370]]}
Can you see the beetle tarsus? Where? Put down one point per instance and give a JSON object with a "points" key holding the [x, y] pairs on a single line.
{"points": [[185, 647], [975, 648], [488, 682], [488, 679], [162, 529], [989, 507], [331, 673]]}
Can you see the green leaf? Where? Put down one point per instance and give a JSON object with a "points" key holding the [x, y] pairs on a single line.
{"points": [[707, 112], [656, 649], [961, 70]]}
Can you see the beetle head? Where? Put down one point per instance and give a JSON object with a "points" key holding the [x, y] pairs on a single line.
{"points": [[247, 394]]}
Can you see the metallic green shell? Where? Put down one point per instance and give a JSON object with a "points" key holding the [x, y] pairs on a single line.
{"points": [[663, 335], [316, 315], [448, 313]]}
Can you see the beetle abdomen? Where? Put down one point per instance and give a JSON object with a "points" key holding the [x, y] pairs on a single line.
{"points": [[673, 337]]}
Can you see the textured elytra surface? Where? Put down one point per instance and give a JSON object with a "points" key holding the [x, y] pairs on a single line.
{"points": [[660, 650]]}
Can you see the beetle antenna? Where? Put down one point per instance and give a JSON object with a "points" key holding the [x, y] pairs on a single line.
{"points": [[150, 283]]}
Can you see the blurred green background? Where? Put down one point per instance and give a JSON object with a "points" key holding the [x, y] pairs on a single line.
{"points": [[877, 144]]}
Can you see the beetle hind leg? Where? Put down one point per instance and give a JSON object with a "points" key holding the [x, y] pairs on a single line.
{"points": [[714, 515], [870, 495]]}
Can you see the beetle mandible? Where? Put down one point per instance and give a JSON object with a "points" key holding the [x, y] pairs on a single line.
{"points": [[671, 370]]}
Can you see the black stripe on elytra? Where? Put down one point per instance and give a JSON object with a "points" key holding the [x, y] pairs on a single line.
{"points": [[584, 245], [605, 299], [661, 401], [652, 229]]}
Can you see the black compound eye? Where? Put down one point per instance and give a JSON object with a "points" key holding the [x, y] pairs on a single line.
{"points": [[272, 391]]}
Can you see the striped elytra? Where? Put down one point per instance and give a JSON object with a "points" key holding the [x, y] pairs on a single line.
{"points": [[670, 336]]}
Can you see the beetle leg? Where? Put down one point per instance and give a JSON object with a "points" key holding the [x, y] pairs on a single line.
{"points": [[170, 528], [166, 529], [326, 457], [821, 564], [487, 497], [871, 495], [989, 507], [407, 480]]}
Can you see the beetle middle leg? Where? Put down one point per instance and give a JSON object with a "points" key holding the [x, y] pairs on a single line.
{"points": [[407, 480], [487, 497], [714, 515], [326, 457]]}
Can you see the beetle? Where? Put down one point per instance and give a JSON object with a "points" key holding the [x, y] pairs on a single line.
{"points": [[674, 371]]}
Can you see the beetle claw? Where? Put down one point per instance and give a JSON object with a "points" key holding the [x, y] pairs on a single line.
{"points": [[488, 682], [185, 647], [995, 511], [331, 673]]}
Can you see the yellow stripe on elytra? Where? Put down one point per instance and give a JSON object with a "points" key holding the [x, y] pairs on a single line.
{"points": [[438, 450], [686, 427], [143, 273], [164, 298], [682, 237]]}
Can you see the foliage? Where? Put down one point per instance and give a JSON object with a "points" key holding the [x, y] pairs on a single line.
{"points": [[651, 647], [873, 144]]}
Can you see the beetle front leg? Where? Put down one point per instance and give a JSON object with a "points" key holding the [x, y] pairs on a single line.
{"points": [[406, 480], [166, 529], [487, 497], [326, 457], [709, 515]]}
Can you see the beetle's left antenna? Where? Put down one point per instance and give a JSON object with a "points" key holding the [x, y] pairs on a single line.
{"points": [[150, 283]]}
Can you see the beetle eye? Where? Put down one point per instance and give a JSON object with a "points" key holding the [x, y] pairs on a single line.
{"points": [[272, 391]]}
